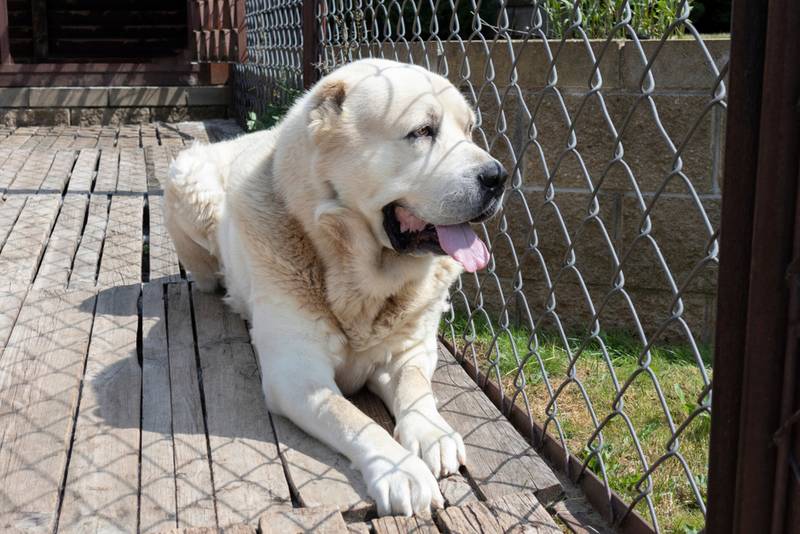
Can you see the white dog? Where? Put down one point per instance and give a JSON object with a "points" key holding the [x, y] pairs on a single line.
{"points": [[337, 234]]}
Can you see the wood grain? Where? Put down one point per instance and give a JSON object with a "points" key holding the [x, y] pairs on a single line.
{"points": [[132, 171], [101, 493], [83, 172], [107, 171], [157, 488], [163, 258], [87, 257], [25, 244], [157, 159], [403, 525], [499, 460], [32, 173], [320, 520], [121, 261], [40, 375], [195, 493], [12, 165], [57, 260], [248, 475]]}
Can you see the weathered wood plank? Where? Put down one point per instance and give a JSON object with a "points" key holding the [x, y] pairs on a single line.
{"points": [[121, 261], [10, 301], [57, 260], [319, 475], [108, 137], [10, 304], [83, 172], [320, 520], [403, 525], [158, 159], [9, 213], [56, 178], [102, 486], [87, 258], [193, 131], [164, 264], [128, 136], [169, 135], [472, 518], [195, 494], [107, 171], [499, 460], [15, 140], [522, 509], [86, 137], [248, 475], [149, 135], [11, 166], [40, 374], [33, 171], [513, 512], [157, 494], [24, 246], [132, 171]]}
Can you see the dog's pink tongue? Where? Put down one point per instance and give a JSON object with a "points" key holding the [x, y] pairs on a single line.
{"points": [[464, 246]]}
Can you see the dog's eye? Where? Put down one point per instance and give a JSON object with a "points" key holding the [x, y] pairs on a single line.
{"points": [[425, 131]]}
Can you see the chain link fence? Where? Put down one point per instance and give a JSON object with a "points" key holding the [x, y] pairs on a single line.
{"points": [[273, 73], [596, 313]]}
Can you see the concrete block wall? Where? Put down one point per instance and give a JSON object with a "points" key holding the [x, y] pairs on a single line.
{"points": [[89, 106], [530, 132]]}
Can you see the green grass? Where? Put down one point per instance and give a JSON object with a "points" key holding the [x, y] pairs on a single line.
{"points": [[681, 381], [649, 18]]}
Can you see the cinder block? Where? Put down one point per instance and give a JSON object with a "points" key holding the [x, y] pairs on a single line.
{"points": [[680, 64]]}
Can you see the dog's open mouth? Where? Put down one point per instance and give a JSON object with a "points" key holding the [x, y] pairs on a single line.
{"points": [[409, 234]]}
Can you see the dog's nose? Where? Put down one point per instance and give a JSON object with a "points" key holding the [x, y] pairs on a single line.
{"points": [[493, 175]]}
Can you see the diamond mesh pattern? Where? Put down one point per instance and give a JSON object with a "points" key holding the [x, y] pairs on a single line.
{"points": [[610, 223]]}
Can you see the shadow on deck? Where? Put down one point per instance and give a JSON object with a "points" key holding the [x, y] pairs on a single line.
{"points": [[130, 401]]}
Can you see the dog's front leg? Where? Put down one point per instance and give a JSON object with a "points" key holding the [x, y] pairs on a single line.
{"points": [[298, 381], [404, 384]]}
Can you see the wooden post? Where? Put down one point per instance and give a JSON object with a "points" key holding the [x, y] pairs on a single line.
{"points": [[310, 43], [5, 42], [41, 42], [241, 27]]}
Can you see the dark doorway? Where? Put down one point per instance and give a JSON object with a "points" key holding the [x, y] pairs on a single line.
{"points": [[141, 31]]}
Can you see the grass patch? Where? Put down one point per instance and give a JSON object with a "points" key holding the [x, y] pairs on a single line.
{"points": [[602, 366]]}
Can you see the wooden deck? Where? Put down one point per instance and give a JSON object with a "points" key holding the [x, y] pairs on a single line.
{"points": [[129, 401]]}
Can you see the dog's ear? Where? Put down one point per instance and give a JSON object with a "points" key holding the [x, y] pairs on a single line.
{"points": [[327, 105]]}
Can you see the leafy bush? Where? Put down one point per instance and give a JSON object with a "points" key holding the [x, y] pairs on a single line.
{"points": [[649, 18]]}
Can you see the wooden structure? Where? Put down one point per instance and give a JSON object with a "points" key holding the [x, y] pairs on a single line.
{"points": [[126, 42], [130, 401]]}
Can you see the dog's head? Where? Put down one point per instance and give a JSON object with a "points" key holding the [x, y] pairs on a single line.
{"points": [[394, 143]]}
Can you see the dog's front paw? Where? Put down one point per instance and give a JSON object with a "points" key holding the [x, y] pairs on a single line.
{"points": [[433, 440], [401, 483]]}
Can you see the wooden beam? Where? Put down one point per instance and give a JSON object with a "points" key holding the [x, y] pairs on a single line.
{"points": [[5, 42]]}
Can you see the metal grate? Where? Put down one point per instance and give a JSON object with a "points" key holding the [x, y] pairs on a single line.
{"points": [[596, 313]]}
